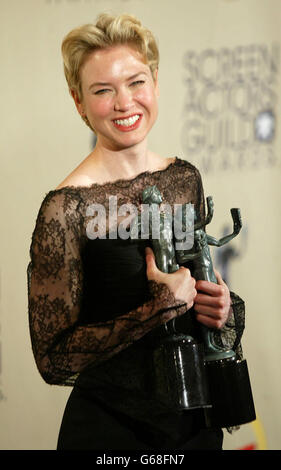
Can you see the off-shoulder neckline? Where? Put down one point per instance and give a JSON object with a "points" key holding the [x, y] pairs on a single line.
{"points": [[116, 182]]}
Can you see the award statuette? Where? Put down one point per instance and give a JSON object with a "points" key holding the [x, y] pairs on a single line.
{"points": [[228, 378], [185, 373], [178, 373]]}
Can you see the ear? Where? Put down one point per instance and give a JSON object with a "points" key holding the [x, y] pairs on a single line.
{"points": [[77, 101]]}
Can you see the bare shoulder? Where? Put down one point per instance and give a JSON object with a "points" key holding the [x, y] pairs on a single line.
{"points": [[82, 175], [88, 173], [160, 163], [75, 179]]}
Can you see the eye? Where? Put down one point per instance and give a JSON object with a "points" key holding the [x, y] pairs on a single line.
{"points": [[102, 91], [137, 82]]}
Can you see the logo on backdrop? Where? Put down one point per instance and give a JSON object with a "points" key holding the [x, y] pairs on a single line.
{"points": [[230, 107]]}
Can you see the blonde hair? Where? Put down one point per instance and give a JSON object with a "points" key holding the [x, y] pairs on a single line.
{"points": [[108, 31]]}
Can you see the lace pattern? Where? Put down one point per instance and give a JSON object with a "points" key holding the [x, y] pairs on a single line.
{"points": [[63, 344], [230, 335]]}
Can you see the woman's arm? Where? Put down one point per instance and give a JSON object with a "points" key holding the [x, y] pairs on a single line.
{"points": [[62, 347]]}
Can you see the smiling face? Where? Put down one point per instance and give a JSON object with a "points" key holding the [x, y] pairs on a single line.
{"points": [[119, 96]]}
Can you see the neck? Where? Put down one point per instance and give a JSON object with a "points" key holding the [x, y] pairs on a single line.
{"points": [[125, 163]]}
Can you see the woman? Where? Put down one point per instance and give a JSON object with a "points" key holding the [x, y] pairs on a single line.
{"points": [[93, 300]]}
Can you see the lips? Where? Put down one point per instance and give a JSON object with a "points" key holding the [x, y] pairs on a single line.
{"points": [[128, 123]]}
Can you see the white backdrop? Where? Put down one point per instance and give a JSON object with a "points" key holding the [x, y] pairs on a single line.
{"points": [[219, 108]]}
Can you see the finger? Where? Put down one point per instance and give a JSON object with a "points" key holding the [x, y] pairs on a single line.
{"points": [[210, 288], [209, 321], [149, 255], [212, 301], [150, 261], [148, 251], [219, 278], [184, 269], [208, 311]]}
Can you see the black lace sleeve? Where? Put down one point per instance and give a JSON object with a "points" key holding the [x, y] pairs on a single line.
{"points": [[231, 333], [62, 347]]}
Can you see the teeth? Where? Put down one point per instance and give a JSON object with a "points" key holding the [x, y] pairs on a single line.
{"points": [[127, 122]]}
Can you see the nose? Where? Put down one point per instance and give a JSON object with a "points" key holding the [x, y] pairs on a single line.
{"points": [[123, 101]]}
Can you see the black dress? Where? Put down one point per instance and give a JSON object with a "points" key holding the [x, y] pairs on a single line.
{"points": [[91, 311]]}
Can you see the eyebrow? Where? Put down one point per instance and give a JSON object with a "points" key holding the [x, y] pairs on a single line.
{"points": [[108, 84]]}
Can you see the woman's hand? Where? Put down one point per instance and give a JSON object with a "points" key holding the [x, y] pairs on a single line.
{"points": [[180, 283], [212, 302]]}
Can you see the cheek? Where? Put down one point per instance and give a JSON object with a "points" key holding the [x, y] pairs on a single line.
{"points": [[148, 99], [100, 108]]}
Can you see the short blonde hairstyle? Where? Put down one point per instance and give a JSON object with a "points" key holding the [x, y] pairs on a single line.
{"points": [[108, 31]]}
